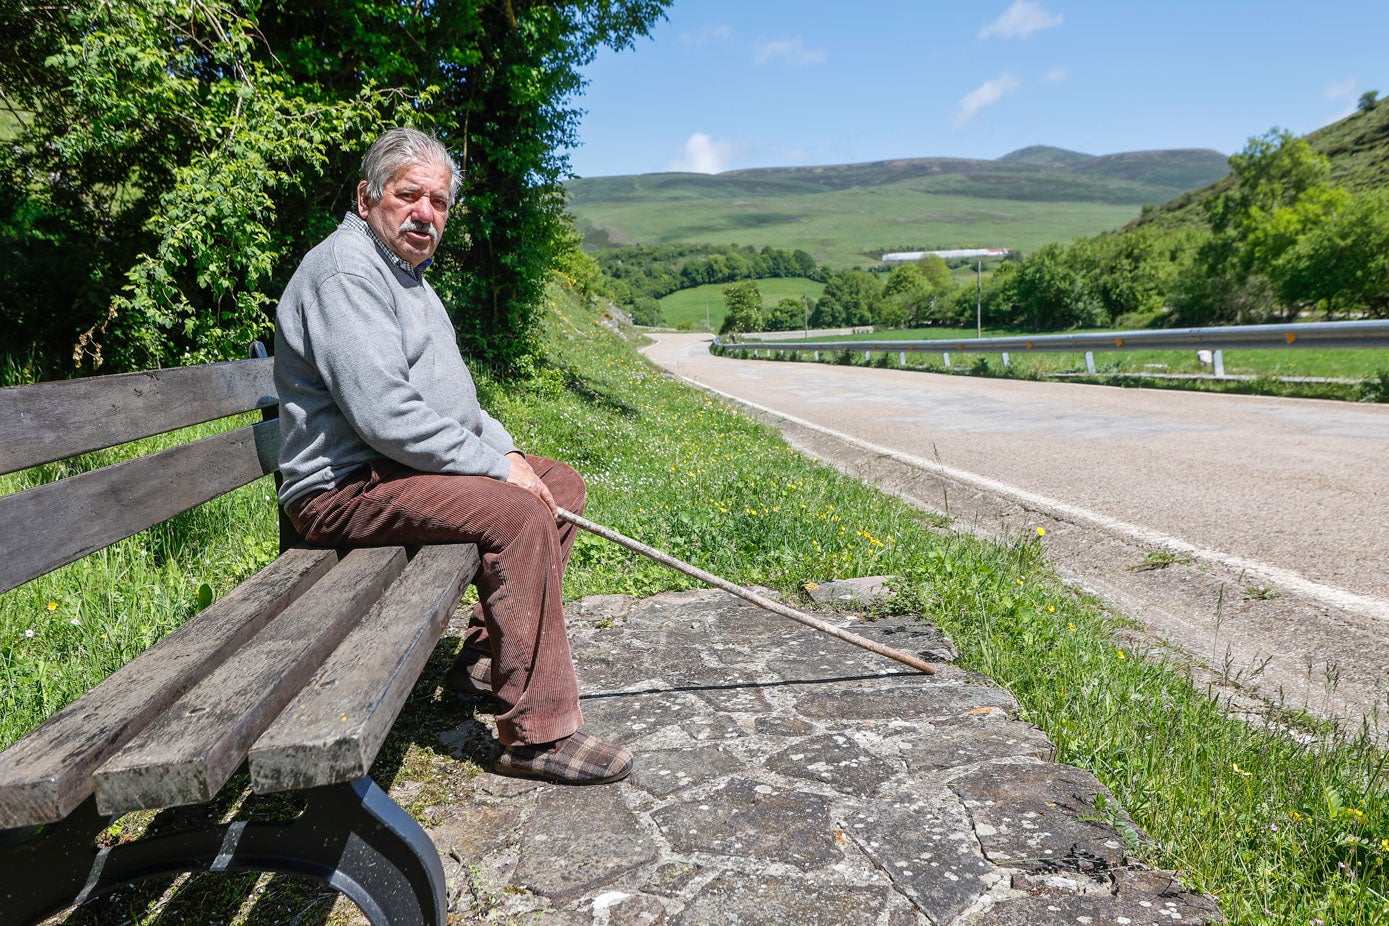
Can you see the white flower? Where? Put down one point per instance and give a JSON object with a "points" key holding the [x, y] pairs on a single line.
{"points": [[29, 634]]}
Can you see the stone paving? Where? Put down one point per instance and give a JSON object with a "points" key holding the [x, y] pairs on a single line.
{"points": [[784, 777]]}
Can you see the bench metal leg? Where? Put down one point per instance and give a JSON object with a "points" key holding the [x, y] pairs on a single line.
{"points": [[352, 837]]}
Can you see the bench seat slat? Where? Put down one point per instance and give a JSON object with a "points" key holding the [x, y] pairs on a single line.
{"points": [[44, 776], [186, 754], [65, 520], [331, 733], [52, 421]]}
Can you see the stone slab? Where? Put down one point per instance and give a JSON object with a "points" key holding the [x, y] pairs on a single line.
{"points": [[783, 777]]}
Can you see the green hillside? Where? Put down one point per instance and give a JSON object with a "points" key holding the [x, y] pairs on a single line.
{"points": [[846, 214], [1358, 147]]}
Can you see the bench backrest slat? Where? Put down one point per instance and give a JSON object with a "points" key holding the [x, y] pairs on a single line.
{"points": [[65, 520], [186, 754], [52, 421], [48, 773]]}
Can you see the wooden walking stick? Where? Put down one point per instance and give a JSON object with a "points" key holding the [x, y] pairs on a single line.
{"points": [[746, 594]]}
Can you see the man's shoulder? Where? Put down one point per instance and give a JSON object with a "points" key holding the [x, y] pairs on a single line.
{"points": [[345, 250]]}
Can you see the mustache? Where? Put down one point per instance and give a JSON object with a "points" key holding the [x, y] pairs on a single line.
{"points": [[422, 228]]}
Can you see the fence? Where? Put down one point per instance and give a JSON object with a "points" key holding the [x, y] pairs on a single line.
{"points": [[1356, 334]]}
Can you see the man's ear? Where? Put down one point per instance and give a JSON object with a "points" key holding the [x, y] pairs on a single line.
{"points": [[362, 202]]}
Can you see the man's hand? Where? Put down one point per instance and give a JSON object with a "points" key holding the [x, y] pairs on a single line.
{"points": [[522, 475]]}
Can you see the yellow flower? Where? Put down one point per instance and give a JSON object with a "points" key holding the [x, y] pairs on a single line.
{"points": [[1051, 609], [1071, 625], [1357, 815], [53, 606], [1384, 845], [1041, 532], [1121, 655], [1240, 771], [1297, 817], [811, 586]]}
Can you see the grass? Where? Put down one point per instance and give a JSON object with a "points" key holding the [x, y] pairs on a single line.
{"points": [[688, 307], [1279, 830]]}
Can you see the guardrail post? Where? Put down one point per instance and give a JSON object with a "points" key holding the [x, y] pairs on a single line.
{"points": [[1090, 362], [1005, 360], [1219, 359], [901, 358], [946, 358], [817, 356], [866, 358]]}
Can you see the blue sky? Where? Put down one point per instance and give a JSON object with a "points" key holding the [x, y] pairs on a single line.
{"points": [[723, 85]]}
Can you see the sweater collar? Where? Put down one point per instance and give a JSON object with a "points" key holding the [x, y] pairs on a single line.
{"points": [[416, 272]]}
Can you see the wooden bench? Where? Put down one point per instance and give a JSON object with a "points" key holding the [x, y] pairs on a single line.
{"points": [[295, 676]]}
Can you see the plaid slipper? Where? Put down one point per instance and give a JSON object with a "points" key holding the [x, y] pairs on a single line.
{"points": [[471, 674], [578, 759]]}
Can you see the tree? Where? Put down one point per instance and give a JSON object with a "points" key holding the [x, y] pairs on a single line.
{"points": [[743, 301], [789, 314], [850, 299], [175, 159], [1368, 101], [1282, 191]]}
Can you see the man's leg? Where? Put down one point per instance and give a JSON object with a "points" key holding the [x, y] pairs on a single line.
{"points": [[519, 583]]}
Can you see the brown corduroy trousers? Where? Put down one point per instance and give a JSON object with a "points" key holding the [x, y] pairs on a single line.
{"points": [[520, 617]]}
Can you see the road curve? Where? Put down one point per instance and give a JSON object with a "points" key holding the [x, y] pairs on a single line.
{"points": [[1288, 493]]}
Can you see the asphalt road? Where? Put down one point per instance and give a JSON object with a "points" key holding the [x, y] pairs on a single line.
{"points": [[1288, 494]]}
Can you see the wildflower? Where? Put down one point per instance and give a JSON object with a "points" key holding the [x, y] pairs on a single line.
{"points": [[1240, 771], [1051, 609], [1071, 626], [1297, 817], [1273, 826], [29, 634], [1384, 845], [1121, 654], [53, 606], [1357, 815], [1041, 532]]}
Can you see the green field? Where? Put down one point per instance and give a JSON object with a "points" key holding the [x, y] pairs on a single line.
{"points": [[702, 306], [841, 227]]}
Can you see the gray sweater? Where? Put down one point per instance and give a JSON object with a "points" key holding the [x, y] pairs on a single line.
{"points": [[367, 366]]}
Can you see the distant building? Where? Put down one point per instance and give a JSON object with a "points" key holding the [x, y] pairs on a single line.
{"points": [[898, 257]]}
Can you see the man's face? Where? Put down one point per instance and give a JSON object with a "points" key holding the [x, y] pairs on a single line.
{"points": [[413, 209]]}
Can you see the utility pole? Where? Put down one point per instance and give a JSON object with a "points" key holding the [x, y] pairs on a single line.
{"points": [[979, 299]]}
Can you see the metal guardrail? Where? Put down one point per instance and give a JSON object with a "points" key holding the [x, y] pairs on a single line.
{"points": [[1357, 334]]}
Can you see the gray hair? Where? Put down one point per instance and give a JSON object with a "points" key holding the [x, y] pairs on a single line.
{"points": [[402, 148]]}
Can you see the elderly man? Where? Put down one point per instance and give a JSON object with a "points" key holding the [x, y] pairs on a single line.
{"points": [[384, 442]]}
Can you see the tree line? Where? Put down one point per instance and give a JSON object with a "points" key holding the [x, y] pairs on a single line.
{"points": [[167, 162]]}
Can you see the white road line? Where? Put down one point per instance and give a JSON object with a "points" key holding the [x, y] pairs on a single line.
{"points": [[1377, 608]]}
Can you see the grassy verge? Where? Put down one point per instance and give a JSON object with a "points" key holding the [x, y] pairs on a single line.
{"points": [[1279, 831]]}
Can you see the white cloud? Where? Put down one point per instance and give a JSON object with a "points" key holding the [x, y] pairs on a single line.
{"points": [[1020, 20], [1056, 75], [789, 51], [709, 35], [1343, 90], [705, 155], [986, 94]]}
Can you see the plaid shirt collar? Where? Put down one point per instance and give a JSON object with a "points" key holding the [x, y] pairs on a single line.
{"points": [[416, 272]]}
